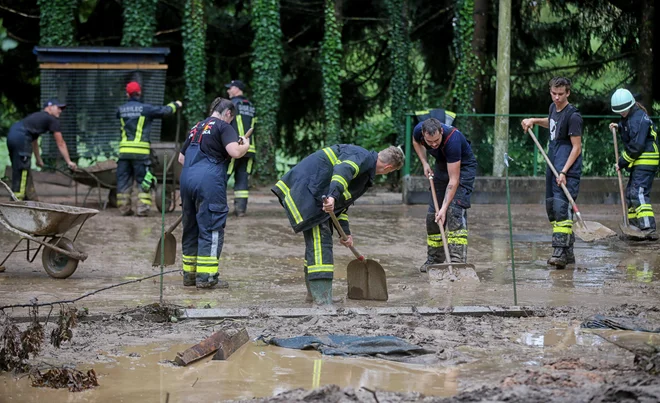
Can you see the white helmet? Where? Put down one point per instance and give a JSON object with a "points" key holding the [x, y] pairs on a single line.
{"points": [[622, 100]]}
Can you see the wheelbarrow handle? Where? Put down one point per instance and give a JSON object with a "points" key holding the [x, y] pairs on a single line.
{"points": [[13, 196], [342, 234]]}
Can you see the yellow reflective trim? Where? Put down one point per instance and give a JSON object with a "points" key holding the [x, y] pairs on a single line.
{"points": [[249, 166], [424, 112], [457, 241], [331, 155], [644, 207], [139, 129], [320, 268], [230, 169], [565, 223], [562, 230], [458, 233], [632, 215], [23, 187], [645, 162], [354, 165], [645, 214], [241, 194], [626, 157], [288, 201], [341, 180], [343, 217], [207, 270], [318, 252], [434, 244], [450, 113], [190, 268], [239, 124], [123, 130], [173, 106]]}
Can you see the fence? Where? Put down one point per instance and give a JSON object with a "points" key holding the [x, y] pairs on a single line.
{"points": [[597, 144]]}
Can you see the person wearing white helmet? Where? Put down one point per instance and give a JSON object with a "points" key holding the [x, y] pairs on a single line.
{"points": [[640, 157], [565, 152]]}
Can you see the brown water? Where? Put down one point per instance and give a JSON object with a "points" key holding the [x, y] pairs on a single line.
{"points": [[253, 371]]}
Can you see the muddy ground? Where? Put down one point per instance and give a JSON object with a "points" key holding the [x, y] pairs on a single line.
{"points": [[543, 357]]}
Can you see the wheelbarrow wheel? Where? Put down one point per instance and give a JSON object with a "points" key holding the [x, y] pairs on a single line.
{"points": [[112, 198], [56, 264]]}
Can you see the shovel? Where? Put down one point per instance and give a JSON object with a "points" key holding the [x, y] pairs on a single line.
{"points": [[625, 227], [170, 246], [595, 230], [366, 278], [449, 271]]}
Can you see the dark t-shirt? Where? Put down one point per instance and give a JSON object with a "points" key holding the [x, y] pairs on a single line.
{"points": [[39, 123], [454, 147], [557, 119], [213, 135]]}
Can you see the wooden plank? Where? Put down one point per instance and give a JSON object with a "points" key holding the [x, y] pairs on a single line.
{"points": [[228, 340], [222, 313], [231, 344], [97, 66]]}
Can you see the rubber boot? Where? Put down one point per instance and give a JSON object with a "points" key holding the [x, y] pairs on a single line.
{"points": [[189, 278], [650, 234], [240, 206], [570, 256], [308, 298], [434, 256], [205, 280], [558, 258], [321, 291]]}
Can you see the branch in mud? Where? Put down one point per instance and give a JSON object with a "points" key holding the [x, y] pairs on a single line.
{"points": [[71, 301], [59, 378]]}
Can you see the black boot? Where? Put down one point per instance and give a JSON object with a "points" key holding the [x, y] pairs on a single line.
{"points": [[205, 280], [240, 206], [570, 256], [189, 278], [558, 258]]}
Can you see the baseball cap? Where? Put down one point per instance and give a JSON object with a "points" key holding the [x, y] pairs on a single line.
{"points": [[133, 87], [236, 83], [54, 101]]}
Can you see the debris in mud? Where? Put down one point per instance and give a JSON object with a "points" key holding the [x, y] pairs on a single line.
{"points": [[12, 353], [155, 312], [59, 378], [66, 321], [333, 393], [225, 342]]}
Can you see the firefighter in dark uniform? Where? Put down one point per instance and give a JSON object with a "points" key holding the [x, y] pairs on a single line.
{"points": [[205, 156], [640, 158], [343, 172], [443, 115], [453, 177], [565, 153], [22, 141], [242, 167], [135, 149]]}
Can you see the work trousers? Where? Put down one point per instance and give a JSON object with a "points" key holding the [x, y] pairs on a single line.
{"points": [[559, 210], [319, 261], [128, 171], [638, 197], [241, 168], [19, 145]]}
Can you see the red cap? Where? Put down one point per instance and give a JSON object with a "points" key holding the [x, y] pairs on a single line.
{"points": [[133, 88]]}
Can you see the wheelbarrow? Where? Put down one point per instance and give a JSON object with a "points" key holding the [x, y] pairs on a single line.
{"points": [[46, 224], [102, 175]]}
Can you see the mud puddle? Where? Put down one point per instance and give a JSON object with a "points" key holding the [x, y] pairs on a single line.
{"points": [[144, 374]]}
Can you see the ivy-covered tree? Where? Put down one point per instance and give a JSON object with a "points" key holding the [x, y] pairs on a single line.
{"points": [[57, 22], [139, 23], [399, 46], [466, 61], [267, 67], [194, 55], [331, 67]]}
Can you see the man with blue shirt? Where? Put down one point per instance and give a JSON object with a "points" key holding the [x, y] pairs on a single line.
{"points": [[453, 176]]}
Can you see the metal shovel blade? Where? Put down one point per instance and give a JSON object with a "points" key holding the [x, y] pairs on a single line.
{"points": [[461, 272], [631, 232], [595, 231], [170, 251], [366, 280]]}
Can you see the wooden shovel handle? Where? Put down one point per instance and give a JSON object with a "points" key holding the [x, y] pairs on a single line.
{"points": [[342, 234], [441, 225], [174, 225], [247, 135], [618, 172], [554, 171]]}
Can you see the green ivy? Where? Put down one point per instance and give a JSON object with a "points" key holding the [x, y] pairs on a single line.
{"points": [[57, 22], [267, 68], [194, 56], [399, 46], [331, 67], [467, 64], [139, 23]]}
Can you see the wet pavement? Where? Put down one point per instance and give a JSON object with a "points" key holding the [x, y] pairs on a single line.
{"points": [[262, 260]]}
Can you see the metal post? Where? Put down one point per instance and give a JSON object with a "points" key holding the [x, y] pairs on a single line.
{"points": [[508, 203], [536, 152], [408, 143], [162, 227]]}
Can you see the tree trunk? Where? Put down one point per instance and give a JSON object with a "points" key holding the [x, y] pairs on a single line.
{"points": [[479, 48], [502, 88], [645, 54]]}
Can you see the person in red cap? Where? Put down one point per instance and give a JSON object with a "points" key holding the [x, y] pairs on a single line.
{"points": [[22, 141], [135, 149]]}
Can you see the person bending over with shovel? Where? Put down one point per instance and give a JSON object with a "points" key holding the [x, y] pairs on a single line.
{"points": [[565, 153], [640, 158], [212, 143], [343, 172], [453, 177]]}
